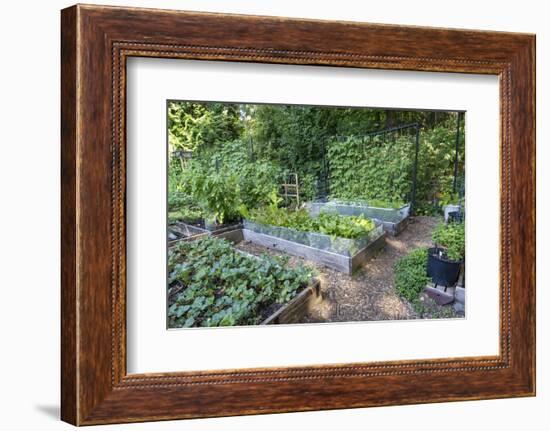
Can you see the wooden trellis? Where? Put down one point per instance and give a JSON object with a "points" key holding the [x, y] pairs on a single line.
{"points": [[291, 188]]}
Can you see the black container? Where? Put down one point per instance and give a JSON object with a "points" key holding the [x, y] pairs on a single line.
{"points": [[443, 272], [455, 217]]}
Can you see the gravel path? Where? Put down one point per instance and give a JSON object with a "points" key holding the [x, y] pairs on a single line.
{"points": [[369, 294]]}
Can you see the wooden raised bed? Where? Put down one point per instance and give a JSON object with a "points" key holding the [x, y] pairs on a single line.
{"points": [[298, 307]]}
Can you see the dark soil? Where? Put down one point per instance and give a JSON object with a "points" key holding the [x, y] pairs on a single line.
{"points": [[369, 294]]}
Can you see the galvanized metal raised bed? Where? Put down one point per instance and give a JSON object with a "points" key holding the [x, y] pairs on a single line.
{"points": [[394, 220], [181, 231], [342, 254]]}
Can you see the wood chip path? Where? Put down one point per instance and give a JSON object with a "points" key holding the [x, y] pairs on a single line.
{"points": [[368, 294]]}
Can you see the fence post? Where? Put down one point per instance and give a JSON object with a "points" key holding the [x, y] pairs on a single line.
{"points": [[415, 167], [456, 150]]}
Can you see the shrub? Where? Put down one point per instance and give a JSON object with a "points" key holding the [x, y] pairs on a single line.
{"points": [[217, 193], [189, 215], [451, 237], [256, 182], [183, 207], [249, 180], [411, 274]]}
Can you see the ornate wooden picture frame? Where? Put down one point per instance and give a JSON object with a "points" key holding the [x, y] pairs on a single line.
{"points": [[96, 41]]}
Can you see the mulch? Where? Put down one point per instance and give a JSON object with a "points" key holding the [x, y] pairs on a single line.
{"points": [[369, 294]]}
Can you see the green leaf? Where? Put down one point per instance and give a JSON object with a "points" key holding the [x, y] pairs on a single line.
{"points": [[189, 322]]}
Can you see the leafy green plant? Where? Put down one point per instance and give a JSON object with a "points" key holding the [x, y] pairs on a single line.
{"points": [[411, 274], [371, 169], [188, 215], [258, 143], [183, 207], [327, 223], [436, 166], [251, 180], [449, 197], [257, 181], [216, 192], [193, 125], [219, 286], [343, 226], [451, 237], [380, 203]]}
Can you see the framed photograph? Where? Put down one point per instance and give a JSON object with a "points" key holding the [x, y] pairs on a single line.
{"points": [[265, 215]]}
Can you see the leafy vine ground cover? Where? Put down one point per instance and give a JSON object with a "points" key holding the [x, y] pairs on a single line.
{"points": [[216, 285], [370, 168]]}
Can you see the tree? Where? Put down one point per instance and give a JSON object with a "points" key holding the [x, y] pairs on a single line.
{"points": [[193, 126]]}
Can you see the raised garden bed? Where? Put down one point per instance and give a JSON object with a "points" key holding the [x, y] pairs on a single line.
{"points": [[394, 220], [342, 254], [276, 313], [298, 307], [224, 227], [181, 231]]}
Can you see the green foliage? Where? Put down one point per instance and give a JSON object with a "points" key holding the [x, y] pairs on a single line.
{"points": [[217, 193], [411, 274], [257, 178], [182, 207], [250, 181], [449, 197], [380, 203], [260, 144], [327, 223], [295, 136], [188, 215], [451, 237], [223, 287], [193, 125], [436, 166], [371, 169], [343, 226]]}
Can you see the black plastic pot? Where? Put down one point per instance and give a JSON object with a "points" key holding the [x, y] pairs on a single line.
{"points": [[455, 217], [443, 272]]}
